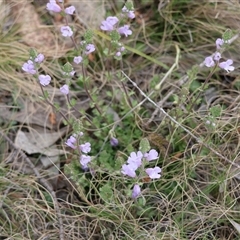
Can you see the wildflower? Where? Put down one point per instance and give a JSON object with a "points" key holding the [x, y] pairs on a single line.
{"points": [[29, 67], [227, 65], [136, 191], [209, 62], [219, 43], [153, 172], [125, 30], [108, 24], [131, 14], [66, 31], [152, 155], [84, 160], [71, 142], [72, 73], [53, 6], [44, 79], [90, 48], [118, 54], [129, 169], [86, 147], [217, 56], [39, 58], [135, 159], [113, 141], [70, 10], [64, 89], [78, 59]]}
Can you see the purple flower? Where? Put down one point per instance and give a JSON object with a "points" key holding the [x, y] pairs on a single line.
{"points": [[219, 43], [131, 14], [129, 170], [70, 10], [39, 58], [135, 159], [136, 191], [118, 54], [64, 89], [125, 10], [66, 31], [78, 59], [29, 67], [71, 142], [86, 147], [84, 160], [125, 30], [89, 48], [44, 79], [227, 65], [209, 62], [217, 56], [53, 6], [152, 155], [113, 141], [72, 73], [108, 24], [153, 172]]}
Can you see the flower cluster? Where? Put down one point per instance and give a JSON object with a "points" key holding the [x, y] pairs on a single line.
{"points": [[135, 160], [211, 61], [84, 149], [53, 6]]}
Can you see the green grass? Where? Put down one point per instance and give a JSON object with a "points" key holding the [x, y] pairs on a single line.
{"points": [[197, 196]]}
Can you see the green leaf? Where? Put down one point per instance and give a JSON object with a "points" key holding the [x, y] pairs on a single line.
{"points": [[216, 111], [144, 145], [106, 192]]}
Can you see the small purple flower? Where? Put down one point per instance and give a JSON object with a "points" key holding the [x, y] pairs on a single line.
{"points": [[53, 6], [217, 56], [125, 10], [125, 30], [84, 160], [70, 10], [122, 49], [209, 62], [66, 31], [152, 155], [153, 172], [227, 65], [113, 141], [108, 24], [71, 142], [219, 43], [44, 79], [135, 159], [131, 14], [89, 48], [129, 170], [72, 73], [78, 59], [86, 147], [136, 191], [64, 89], [118, 54], [39, 58], [29, 67]]}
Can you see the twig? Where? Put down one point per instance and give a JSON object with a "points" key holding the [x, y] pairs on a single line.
{"points": [[41, 181], [179, 125]]}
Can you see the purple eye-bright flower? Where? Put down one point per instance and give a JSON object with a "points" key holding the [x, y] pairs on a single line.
{"points": [[152, 155], [153, 172], [217, 56], [71, 142], [77, 59], [64, 89], [29, 67], [84, 160], [86, 147], [53, 6], [227, 65], [44, 79], [136, 191], [208, 62], [129, 170], [70, 10], [113, 141], [125, 30], [66, 31], [135, 159], [108, 24], [39, 58], [89, 48], [219, 43]]}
